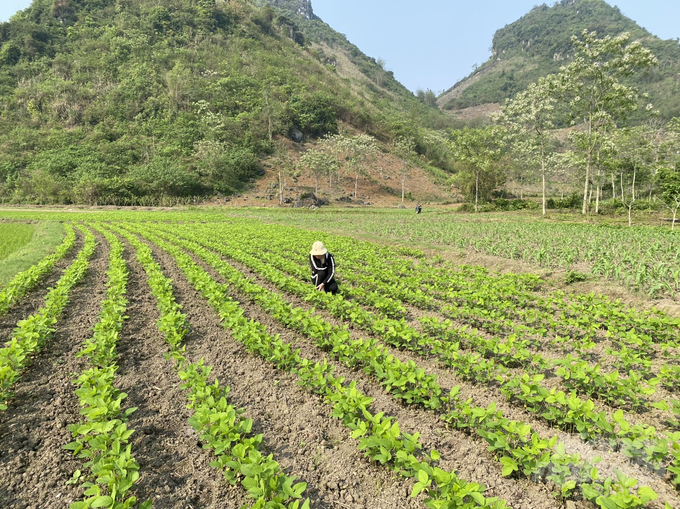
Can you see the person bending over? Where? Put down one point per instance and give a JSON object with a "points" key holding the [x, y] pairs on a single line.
{"points": [[322, 264]]}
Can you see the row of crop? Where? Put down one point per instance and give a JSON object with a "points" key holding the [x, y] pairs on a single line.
{"points": [[28, 279], [496, 302], [102, 439], [616, 390], [461, 283], [481, 307], [574, 412], [32, 333], [526, 451], [221, 426], [483, 301], [432, 276], [380, 437]]}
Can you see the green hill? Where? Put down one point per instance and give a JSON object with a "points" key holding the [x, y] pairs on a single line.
{"points": [[153, 102], [539, 43]]}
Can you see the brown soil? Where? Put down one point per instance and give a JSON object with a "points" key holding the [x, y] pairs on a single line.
{"points": [[175, 469], [468, 457], [482, 398], [296, 426]]}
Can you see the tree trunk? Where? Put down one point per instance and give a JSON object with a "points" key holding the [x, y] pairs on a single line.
{"points": [[584, 209], [632, 198], [597, 199], [623, 196], [280, 188], [543, 173], [630, 213], [476, 189], [586, 198], [403, 184], [356, 183], [316, 184], [613, 188], [269, 116], [544, 201]]}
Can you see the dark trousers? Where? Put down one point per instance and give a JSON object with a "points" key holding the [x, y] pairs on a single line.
{"points": [[331, 287]]}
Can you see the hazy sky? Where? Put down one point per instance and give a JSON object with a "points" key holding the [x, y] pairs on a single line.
{"points": [[434, 43]]}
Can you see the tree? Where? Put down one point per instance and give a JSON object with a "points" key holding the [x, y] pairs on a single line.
{"points": [[669, 173], [427, 96], [532, 114], [357, 151], [597, 97], [380, 72], [405, 149], [478, 152], [318, 162], [669, 179], [633, 153], [285, 167]]}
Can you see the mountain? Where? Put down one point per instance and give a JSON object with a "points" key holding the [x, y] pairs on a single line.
{"points": [[538, 43], [160, 101], [331, 44]]}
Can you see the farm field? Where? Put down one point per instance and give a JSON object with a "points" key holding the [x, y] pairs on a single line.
{"points": [[183, 359]]}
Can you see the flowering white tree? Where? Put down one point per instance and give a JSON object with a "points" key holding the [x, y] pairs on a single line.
{"points": [[596, 95], [530, 115]]}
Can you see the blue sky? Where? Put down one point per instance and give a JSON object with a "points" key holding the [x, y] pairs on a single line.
{"points": [[434, 43]]}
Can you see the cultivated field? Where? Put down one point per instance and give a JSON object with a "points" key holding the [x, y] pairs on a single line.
{"points": [[184, 360]]}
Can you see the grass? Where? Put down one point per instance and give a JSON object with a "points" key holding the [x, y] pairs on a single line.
{"points": [[14, 236], [44, 238]]}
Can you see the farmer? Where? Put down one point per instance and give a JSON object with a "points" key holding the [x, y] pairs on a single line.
{"points": [[418, 208], [323, 268]]}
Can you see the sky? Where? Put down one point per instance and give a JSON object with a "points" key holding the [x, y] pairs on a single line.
{"points": [[432, 44]]}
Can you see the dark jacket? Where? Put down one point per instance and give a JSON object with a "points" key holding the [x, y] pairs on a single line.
{"points": [[322, 271]]}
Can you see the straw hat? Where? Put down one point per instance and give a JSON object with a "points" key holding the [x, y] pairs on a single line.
{"points": [[318, 249]]}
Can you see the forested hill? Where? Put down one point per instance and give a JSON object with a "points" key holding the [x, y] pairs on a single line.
{"points": [[539, 43], [130, 101]]}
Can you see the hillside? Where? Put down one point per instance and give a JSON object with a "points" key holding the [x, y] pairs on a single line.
{"points": [[539, 43], [146, 102], [331, 43]]}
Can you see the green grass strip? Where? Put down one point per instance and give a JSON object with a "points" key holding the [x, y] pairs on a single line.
{"points": [[14, 236], [25, 281]]}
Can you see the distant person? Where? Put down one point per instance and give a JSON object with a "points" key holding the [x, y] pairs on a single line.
{"points": [[322, 264], [418, 208]]}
